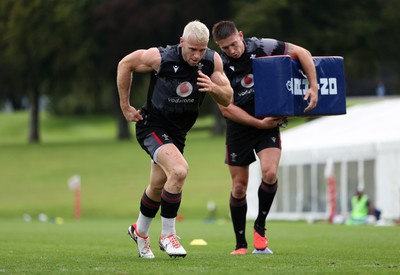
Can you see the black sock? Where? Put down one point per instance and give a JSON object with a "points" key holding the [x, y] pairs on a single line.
{"points": [[266, 194], [170, 204], [148, 207], [238, 209]]}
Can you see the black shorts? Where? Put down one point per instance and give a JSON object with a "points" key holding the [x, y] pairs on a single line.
{"points": [[240, 148], [152, 138]]}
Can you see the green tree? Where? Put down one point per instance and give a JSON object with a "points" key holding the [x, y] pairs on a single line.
{"points": [[45, 46]]}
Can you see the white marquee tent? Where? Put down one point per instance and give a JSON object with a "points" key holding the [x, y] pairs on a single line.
{"points": [[364, 146]]}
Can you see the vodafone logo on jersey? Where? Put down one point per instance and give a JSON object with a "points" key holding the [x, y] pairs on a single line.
{"points": [[247, 81], [184, 89]]}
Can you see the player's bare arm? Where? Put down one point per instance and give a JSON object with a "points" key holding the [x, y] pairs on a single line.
{"points": [[217, 85], [238, 115], [139, 61], [305, 59]]}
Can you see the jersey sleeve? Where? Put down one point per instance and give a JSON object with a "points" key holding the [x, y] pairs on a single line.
{"points": [[274, 47]]}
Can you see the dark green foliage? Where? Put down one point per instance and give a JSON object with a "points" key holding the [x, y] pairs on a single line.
{"points": [[69, 50]]}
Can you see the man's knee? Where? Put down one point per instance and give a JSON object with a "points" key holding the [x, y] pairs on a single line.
{"points": [[179, 172], [269, 176], [239, 189]]}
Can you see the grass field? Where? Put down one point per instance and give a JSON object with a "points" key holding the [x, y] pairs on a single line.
{"points": [[101, 246], [114, 174], [33, 180]]}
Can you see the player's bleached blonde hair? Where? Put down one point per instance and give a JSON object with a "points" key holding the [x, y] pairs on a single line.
{"points": [[198, 30]]}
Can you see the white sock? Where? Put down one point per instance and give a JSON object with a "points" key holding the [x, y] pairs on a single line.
{"points": [[143, 225], [168, 226]]}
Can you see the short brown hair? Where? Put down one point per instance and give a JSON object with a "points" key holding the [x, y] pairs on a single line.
{"points": [[223, 29]]}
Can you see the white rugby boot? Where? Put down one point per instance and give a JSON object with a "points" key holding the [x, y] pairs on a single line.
{"points": [[143, 243], [171, 246]]}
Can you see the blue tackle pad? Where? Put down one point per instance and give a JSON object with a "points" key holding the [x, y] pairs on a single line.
{"points": [[280, 85]]}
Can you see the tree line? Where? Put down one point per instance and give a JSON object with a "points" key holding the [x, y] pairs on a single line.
{"points": [[68, 50]]}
